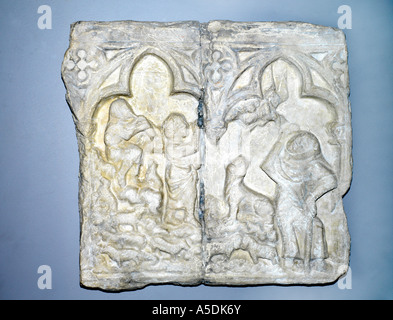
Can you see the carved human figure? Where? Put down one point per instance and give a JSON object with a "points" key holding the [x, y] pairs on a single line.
{"points": [[181, 170], [251, 211], [256, 112], [123, 125], [248, 226], [302, 175], [237, 193]]}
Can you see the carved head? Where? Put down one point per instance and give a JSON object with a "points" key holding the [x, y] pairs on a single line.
{"points": [[176, 127], [299, 154], [302, 146], [120, 110], [238, 167]]}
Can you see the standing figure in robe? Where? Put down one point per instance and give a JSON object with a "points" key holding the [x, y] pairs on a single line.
{"points": [[123, 125], [302, 175], [181, 170]]}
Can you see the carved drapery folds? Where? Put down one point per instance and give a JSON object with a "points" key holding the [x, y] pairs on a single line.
{"points": [[210, 153]]}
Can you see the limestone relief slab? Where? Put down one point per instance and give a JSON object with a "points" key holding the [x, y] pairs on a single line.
{"points": [[211, 153]]}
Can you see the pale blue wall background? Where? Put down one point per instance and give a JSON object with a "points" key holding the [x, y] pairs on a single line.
{"points": [[39, 220]]}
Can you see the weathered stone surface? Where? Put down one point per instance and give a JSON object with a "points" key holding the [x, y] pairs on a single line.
{"points": [[278, 153], [210, 153]]}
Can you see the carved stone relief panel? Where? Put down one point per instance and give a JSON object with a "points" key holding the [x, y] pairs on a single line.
{"points": [[134, 89], [278, 153], [210, 153]]}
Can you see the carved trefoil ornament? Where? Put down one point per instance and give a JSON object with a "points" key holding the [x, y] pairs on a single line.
{"points": [[212, 153]]}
